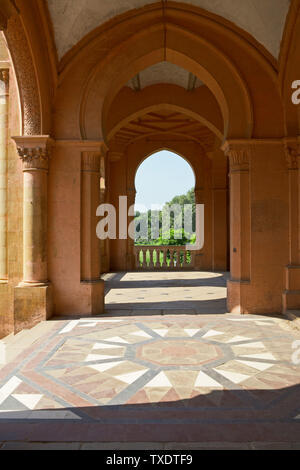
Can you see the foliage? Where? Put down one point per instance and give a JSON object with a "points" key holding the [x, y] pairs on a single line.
{"points": [[157, 235]]}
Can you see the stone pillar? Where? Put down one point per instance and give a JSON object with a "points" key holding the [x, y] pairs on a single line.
{"points": [[239, 155], [219, 209], [130, 258], [90, 243], [104, 244], [291, 295], [219, 229], [199, 258], [4, 88], [32, 302]]}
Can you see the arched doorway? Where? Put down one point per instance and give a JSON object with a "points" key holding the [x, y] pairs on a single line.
{"points": [[163, 269], [164, 212]]}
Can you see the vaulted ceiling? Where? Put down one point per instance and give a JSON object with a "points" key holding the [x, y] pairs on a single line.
{"points": [[165, 122], [164, 72], [263, 19]]}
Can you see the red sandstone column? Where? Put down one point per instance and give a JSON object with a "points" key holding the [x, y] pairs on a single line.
{"points": [[292, 149], [34, 152], [240, 222], [90, 243], [104, 244], [219, 229], [90, 200], [199, 254], [130, 262], [291, 296], [33, 296], [4, 88]]}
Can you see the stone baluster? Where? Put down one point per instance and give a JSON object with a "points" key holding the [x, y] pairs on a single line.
{"points": [[151, 253], [171, 250]]}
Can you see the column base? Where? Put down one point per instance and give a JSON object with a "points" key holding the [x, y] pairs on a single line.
{"points": [[6, 313], [198, 261], [291, 294], [201, 263], [95, 296], [32, 304], [237, 296], [291, 300]]}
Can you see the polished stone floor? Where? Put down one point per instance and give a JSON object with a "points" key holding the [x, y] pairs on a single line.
{"points": [[150, 374]]}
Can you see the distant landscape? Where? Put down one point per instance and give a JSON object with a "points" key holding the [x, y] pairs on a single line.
{"points": [[172, 238]]}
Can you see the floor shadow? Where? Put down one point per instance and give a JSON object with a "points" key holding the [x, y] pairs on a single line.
{"points": [[219, 416], [116, 282], [216, 306]]}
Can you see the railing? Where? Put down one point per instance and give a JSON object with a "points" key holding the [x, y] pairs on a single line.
{"points": [[163, 257]]}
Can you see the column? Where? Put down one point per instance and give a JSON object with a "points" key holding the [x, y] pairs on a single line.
{"points": [[130, 257], [219, 210], [291, 295], [219, 229], [199, 254], [104, 244], [90, 243], [34, 152], [32, 298], [240, 223], [4, 87]]}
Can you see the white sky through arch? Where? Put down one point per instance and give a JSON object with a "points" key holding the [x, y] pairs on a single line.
{"points": [[162, 176]]}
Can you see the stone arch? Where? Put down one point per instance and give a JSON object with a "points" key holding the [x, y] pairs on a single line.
{"points": [[129, 106], [90, 70], [26, 77], [169, 148], [168, 142], [214, 70]]}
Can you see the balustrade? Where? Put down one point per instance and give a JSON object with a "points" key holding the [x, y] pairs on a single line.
{"points": [[163, 257]]}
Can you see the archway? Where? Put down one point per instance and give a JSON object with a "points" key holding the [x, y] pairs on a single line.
{"points": [[167, 264], [164, 212], [94, 116]]}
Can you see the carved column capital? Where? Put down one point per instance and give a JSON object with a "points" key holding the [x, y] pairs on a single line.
{"points": [[239, 154], [90, 161], [292, 153], [34, 151]]}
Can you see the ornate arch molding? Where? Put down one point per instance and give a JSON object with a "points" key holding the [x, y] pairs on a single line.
{"points": [[28, 37], [181, 48], [26, 77]]}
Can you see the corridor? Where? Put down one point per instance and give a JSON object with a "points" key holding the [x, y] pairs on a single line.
{"points": [[147, 376], [164, 292]]}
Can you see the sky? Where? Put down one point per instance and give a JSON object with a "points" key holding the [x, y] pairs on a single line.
{"points": [[160, 177]]}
